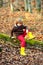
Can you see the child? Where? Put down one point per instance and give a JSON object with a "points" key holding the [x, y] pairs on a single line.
{"points": [[20, 31]]}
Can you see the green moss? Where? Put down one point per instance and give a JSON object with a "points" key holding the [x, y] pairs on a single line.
{"points": [[6, 37], [33, 42]]}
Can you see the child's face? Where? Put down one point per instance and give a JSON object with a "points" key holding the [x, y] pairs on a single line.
{"points": [[19, 24]]}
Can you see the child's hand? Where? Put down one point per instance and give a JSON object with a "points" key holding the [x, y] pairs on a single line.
{"points": [[12, 37], [23, 29], [26, 30]]}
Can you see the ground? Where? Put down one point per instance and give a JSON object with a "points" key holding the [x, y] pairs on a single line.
{"points": [[10, 56]]}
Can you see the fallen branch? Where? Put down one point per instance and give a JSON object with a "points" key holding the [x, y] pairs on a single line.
{"points": [[30, 43]]}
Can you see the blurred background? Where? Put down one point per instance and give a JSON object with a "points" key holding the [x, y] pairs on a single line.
{"points": [[27, 5]]}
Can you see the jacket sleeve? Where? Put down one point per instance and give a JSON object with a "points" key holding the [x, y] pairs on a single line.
{"points": [[13, 31], [25, 27]]}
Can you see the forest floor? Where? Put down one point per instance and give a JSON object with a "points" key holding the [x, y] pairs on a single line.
{"points": [[9, 54]]}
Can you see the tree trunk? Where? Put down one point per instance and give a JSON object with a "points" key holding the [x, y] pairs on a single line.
{"points": [[33, 3], [28, 5], [11, 5], [1, 3], [25, 2], [42, 7], [38, 5]]}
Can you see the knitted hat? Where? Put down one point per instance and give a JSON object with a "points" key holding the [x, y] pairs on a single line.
{"points": [[19, 20]]}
